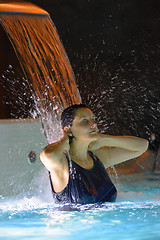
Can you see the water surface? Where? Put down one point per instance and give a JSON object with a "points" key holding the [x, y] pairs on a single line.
{"points": [[135, 215]]}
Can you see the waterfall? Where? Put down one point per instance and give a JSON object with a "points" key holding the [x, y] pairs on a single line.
{"points": [[44, 61]]}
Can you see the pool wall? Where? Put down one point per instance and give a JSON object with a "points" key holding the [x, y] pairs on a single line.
{"points": [[18, 139]]}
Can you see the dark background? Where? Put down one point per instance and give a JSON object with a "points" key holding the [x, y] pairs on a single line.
{"points": [[114, 50]]}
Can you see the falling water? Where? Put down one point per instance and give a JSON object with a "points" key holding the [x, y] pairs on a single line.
{"points": [[43, 60]]}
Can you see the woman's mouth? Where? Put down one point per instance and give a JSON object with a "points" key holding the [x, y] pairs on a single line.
{"points": [[93, 131]]}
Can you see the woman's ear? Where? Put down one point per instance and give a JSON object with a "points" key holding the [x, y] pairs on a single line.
{"points": [[67, 130]]}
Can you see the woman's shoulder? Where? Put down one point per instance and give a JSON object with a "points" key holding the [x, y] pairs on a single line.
{"points": [[102, 155]]}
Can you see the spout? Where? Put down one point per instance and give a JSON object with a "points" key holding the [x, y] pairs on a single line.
{"points": [[21, 8]]}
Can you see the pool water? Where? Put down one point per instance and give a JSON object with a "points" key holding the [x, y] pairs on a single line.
{"points": [[135, 215]]}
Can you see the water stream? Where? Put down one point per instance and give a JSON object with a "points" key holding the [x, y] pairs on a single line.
{"points": [[45, 64]]}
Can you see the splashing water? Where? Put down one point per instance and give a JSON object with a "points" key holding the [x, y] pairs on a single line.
{"points": [[122, 86]]}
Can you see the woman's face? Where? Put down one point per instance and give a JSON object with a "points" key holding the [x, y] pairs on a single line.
{"points": [[83, 125]]}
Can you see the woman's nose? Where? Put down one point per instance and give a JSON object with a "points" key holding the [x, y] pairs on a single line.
{"points": [[93, 125]]}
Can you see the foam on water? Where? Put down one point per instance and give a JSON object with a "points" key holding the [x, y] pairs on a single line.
{"points": [[131, 191]]}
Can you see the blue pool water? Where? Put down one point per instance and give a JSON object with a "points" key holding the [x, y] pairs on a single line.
{"points": [[135, 215]]}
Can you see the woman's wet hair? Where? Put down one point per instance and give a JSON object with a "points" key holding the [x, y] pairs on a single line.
{"points": [[68, 114]]}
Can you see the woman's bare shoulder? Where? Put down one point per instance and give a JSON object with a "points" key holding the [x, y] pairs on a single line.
{"points": [[102, 154]]}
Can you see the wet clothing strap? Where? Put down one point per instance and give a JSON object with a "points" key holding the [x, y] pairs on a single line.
{"points": [[86, 185]]}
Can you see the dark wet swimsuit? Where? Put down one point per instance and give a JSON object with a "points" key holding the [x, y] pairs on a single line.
{"points": [[86, 185]]}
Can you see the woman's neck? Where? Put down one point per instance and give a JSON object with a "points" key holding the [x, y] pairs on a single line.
{"points": [[79, 150]]}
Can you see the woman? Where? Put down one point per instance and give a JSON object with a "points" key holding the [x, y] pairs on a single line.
{"points": [[77, 163]]}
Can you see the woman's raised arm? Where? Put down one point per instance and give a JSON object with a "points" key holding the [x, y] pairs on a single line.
{"points": [[52, 154], [116, 149]]}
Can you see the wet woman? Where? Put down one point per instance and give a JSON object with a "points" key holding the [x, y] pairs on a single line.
{"points": [[77, 163]]}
